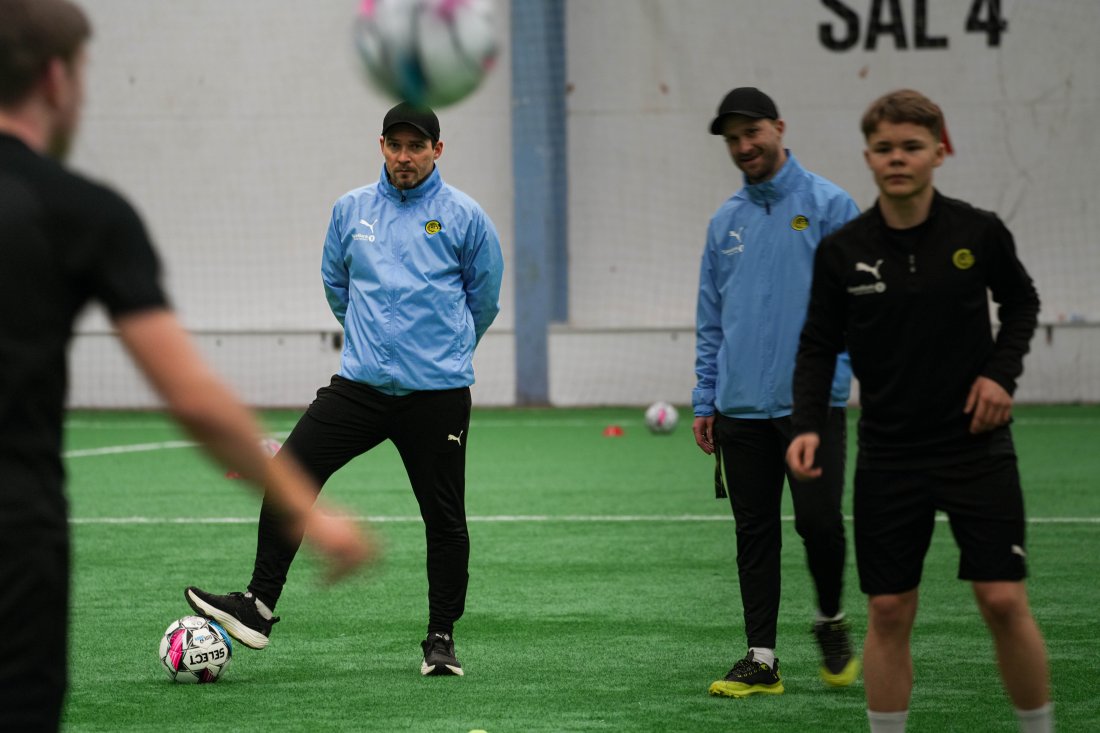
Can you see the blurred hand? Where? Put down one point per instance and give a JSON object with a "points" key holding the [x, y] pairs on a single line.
{"points": [[801, 454], [988, 404], [703, 427], [343, 545]]}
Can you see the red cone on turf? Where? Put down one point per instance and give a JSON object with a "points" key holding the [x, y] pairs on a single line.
{"points": [[612, 431]]}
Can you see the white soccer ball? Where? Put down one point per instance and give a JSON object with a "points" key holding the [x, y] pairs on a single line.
{"points": [[195, 650], [426, 52], [661, 417]]}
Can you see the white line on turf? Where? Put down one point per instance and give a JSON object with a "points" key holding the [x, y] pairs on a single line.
{"points": [[132, 448], [550, 421], [511, 519]]}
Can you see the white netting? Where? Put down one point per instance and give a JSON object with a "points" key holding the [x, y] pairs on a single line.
{"points": [[233, 127]]}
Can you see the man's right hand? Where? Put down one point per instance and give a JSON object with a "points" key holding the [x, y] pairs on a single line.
{"points": [[341, 542], [800, 456], [703, 427]]}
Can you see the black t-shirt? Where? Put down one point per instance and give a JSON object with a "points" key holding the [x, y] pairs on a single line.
{"points": [[64, 241]]}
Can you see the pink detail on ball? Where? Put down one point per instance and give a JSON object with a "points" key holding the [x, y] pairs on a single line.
{"points": [[175, 647], [446, 9]]}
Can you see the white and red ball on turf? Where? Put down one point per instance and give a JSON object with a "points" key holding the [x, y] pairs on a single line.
{"points": [[195, 650], [427, 52], [661, 417]]}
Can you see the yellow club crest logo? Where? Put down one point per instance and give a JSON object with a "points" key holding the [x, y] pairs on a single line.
{"points": [[799, 223], [433, 227], [963, 259]]}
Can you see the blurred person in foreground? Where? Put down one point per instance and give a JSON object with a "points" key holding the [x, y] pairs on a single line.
{"points": [[66, 241], [905, 289], [412, 269], [754, 284]]}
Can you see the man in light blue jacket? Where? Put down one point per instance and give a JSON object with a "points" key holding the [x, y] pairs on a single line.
{"points": [[754, 288], [412, 269]]}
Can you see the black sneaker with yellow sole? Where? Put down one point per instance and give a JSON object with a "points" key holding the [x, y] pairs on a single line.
{"points": [[839, 664], [749, 677]]}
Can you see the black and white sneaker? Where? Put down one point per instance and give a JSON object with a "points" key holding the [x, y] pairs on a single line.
{"points": [[236, 612], [439, 655]]}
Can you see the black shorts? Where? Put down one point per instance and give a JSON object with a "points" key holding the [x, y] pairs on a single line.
{"points": [[895, 514], [34, 614]]}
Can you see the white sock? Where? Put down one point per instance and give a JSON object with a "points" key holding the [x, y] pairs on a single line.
{"points": [[887, 722], [1039, 720], [265, 612], [760, 654], [821, 618]]}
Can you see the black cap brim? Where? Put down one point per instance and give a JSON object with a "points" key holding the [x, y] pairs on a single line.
{"points": [[716, 123]]}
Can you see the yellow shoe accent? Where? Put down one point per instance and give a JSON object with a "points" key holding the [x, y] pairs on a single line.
{"points": [[725, 688], [843, 678]]}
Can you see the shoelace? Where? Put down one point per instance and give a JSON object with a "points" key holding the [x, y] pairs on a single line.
{"points": [[833, 638], [744, 666], [244, 602], [249, 604]]}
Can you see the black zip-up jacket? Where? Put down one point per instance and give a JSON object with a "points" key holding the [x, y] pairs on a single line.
{"points": [[912, 309]]}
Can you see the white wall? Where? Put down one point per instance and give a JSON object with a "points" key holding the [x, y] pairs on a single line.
{"points": [[587, 367], [234, 125]]}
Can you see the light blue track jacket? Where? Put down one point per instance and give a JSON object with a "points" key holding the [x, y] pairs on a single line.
{"points": [[414, 278], [754, 286]]}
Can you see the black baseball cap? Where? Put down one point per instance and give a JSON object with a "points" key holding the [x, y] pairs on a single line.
{"points": [[422, 118], [747, 102]]}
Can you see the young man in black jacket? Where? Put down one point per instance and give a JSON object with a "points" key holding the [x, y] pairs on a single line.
{"points": [[904, 288]]}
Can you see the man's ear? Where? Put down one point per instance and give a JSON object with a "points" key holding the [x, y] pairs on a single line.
{"points": [[55, 80]]}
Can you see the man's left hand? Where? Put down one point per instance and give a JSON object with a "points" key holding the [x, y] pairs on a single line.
{"points": [[988, 404]]}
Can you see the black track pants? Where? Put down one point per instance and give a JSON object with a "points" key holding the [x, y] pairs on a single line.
{"points": [[754, 456], [429, 430]]}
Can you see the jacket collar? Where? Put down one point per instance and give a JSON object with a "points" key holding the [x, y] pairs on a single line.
{"points": [[933, 210], [425, 189], [778, 186]]}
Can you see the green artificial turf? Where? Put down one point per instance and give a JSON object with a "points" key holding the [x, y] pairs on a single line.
{"points": [[603, 592]]}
